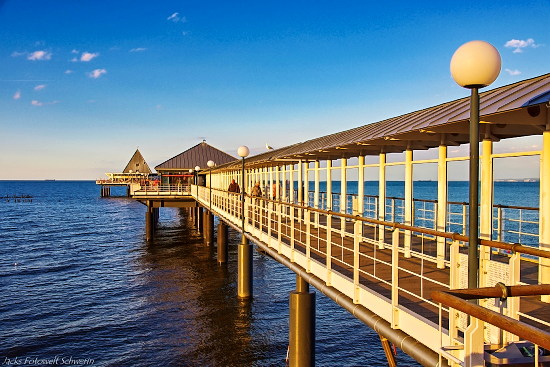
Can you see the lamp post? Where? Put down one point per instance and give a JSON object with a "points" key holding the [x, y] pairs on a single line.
{"points": [[244, 250], [474, 65], [243, 152], [210, 164]]}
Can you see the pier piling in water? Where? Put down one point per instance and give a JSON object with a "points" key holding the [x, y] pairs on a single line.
{"points": [[302, 325], [222, 242], [244, 276], [149, 222], [208, 228], [200, 220]]}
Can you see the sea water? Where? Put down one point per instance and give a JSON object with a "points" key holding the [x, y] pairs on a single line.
{"points": [[79, 285]]}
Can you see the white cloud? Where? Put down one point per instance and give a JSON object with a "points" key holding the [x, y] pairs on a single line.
{"points": [[40, 87], [39, 55], [513, 72], [176, 18], [17, 54], [88, 56], [34, 102], [185, 33], [519, 45], [97, 73], [74, 51], [17, 95], [138, 49], [69, 71]]}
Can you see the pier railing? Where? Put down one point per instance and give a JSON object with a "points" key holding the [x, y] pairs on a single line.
{"points": [[514, 224], [391, 268], [163, 190]]}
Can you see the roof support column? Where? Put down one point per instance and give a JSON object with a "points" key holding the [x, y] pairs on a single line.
{"points": [[291, 184], [306, 183], [329, 184], [486, 208], [283, 183], [544, 207], [277, 183], [381, 197], [300, 183], [358, 227], [441, 224], [343, 192], [360, 186], [409, 209], [316, 193]]}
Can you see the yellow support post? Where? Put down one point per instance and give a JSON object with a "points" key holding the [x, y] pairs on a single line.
{"points": [[302, 325], [408, 200], [381, 198], [544, 208], [441, 224]]}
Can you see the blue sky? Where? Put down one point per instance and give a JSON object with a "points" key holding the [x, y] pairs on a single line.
{"points": [[83, 83]]}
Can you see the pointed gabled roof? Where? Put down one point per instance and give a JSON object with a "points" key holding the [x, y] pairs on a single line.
{"points": [[137, 164], [196, 156]]}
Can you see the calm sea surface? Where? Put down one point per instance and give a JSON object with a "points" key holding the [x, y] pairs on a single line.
{"points": [[78, 281]]}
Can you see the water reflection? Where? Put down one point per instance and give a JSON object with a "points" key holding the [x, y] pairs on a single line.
{"points": [[202, 319]]}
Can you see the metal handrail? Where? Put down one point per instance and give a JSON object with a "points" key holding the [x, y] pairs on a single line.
{"points": [[452, 236], [457, 299]]}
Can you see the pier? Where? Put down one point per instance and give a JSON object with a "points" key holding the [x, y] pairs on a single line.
{"points": [[135, 175], [395, 263]]}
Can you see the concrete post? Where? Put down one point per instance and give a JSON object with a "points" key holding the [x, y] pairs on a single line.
{"points": [[244, 269], [222, 242], [302, 325]]}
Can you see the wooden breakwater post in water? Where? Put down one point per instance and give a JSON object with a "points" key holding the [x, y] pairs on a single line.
{"points": [[17, 198]]}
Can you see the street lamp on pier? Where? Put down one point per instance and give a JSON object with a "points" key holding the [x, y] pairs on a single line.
{"points": [[474, 65], [243, 152]]}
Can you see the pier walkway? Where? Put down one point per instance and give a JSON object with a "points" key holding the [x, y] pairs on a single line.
{"points": [[397, 263]]}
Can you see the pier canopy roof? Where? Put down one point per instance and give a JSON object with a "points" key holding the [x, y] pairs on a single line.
{"points": [[198, 155], [137, 164], [519, 109]]}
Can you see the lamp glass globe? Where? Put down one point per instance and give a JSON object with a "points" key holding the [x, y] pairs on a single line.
{"points": [[475, 64], [210, 164], [243, 151], [197, 168]]}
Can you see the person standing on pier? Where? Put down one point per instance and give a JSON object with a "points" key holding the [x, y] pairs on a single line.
{"points": [[256, 190], [234, 187]]}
